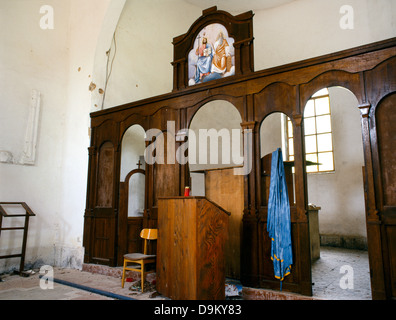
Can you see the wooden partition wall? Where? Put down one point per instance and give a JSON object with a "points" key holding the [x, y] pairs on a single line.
{"points": [[226, 189], [369, 72]]}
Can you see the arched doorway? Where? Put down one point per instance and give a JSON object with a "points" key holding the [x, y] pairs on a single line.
{"points": [[273, 136], [217, 149], [132, 189], [335, 187]]}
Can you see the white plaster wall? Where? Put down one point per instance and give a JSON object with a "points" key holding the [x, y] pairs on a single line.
{"points": [[133, 146], [58, 63], [292, 32], [216, 115], [61, 63], [340, 194], [32, 58], [304, 29], [271, 134], [85, 23], [144, 51], [25, 56]]}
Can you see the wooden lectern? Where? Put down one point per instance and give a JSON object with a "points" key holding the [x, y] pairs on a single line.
{"points": [[192, 232]]}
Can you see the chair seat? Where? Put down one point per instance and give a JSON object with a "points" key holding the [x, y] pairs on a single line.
{"points": [[142, 259], [138, 256]]}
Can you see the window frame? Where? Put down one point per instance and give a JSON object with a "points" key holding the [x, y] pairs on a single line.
{"points": [[290, 137]]}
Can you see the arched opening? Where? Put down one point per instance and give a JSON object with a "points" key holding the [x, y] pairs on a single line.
{"points": [[218, 136], [333, 140], [216, 129], [274, 131], [132, 187]]}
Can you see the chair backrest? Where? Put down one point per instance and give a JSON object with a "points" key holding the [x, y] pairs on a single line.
{"points": [[148, 234]]}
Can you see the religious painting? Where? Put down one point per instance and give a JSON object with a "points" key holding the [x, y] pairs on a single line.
{"points": [[213, 55]]}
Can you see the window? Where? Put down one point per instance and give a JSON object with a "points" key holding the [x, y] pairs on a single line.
{"points": [[318, 134]]}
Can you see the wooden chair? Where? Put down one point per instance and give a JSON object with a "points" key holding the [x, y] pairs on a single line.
{"points": [[140, 258]]}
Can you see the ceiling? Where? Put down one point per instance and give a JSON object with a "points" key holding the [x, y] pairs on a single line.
{"points": [[239, 6]]}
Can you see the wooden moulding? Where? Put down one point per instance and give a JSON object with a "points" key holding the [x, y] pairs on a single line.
{"points": [[368, 71]]}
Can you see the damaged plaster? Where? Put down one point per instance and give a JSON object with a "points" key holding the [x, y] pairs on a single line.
{"points": [[28, 156]]}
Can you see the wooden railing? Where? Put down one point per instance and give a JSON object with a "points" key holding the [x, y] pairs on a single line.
{"points": [[28, 213]]}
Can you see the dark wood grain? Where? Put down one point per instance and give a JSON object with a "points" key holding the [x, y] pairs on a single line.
{"points": [[369, 71]]}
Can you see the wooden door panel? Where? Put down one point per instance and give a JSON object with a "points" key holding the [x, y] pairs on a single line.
{"points": [[104, 196], [103, 237], [134, 242], [386, 119], [104, 214], [391, 240], [386, 135]]}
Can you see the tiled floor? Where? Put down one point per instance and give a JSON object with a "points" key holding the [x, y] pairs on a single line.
{"points": [[326, 277]]}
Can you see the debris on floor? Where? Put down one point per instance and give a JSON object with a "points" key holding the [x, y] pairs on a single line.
{"points": [[26, 274], [149, 287], [233, 289]]}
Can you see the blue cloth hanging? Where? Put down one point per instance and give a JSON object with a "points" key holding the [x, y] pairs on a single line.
{"points": [[278, 221]]}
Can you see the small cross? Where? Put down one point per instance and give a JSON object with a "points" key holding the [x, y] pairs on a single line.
{"points": [[139, 164]]}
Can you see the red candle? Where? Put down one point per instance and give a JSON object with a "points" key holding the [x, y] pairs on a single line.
{"points": [[187, 191]]}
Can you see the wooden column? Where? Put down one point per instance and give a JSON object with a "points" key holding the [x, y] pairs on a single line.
{"points": [[374, 240], [249, 253], [302, 259]]}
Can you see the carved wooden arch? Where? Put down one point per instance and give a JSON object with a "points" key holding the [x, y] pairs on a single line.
{"points": [[351, 81], [260, 124], [123, 225], [159, 118], [380, 81], [275, 97], [106, 142], [382, 204], [129, 176], [374, 116], [130, 121], [132, 172], [105, 131], [368, 71], [240, 27], [237, 102]]}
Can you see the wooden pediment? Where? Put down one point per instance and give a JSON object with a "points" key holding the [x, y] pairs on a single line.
{"points": [[237, 56]]}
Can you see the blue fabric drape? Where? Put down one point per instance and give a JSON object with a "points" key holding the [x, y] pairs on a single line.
{"points": [[278, 221]]}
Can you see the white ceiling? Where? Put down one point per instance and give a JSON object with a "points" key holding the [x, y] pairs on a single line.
{"points": [[239, 6]]}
